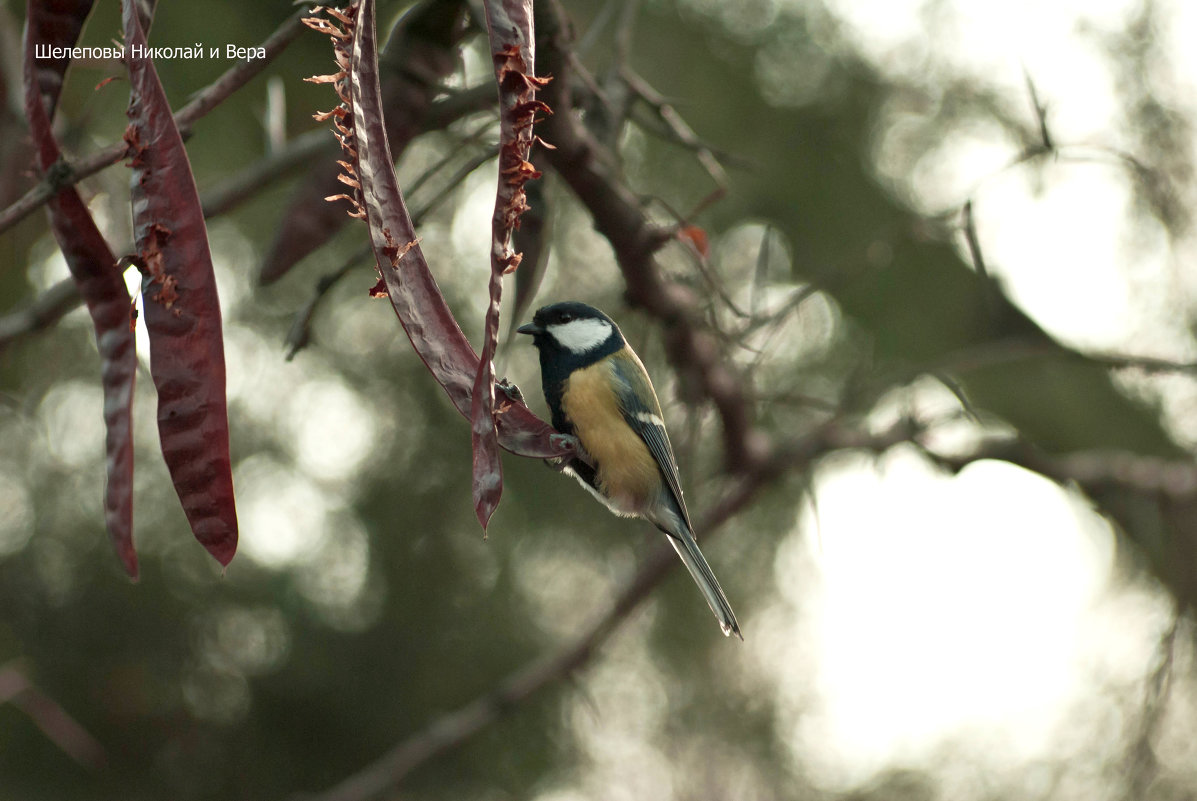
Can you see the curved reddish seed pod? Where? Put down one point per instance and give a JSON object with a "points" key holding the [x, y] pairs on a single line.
{"points": [[405, 277], [94, 269], [412, 290], [421, 52], [484, 436], [181, 308], [512, 43], [49, 24]]}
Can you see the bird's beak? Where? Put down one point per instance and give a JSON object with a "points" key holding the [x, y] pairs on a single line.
{"points": [[529, 328]]}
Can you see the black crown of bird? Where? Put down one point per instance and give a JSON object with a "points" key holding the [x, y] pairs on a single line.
{"points": [[599, 393]]}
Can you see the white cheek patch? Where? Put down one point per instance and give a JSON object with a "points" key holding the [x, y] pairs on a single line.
{"points": [[579, 336]]}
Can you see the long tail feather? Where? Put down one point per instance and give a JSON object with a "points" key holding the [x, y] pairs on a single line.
{"points": [[687, 548]]}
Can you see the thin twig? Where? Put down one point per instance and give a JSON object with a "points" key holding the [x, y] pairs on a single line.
{"points": [[43, 312], [989, 289], [773, 323], [1091, 470], [48, 308], [597, 25], [1013, 349], [1142, 763], [760, 275], [10, 62], [297, 152], [624, 30], [463, 172], [239, 74], [700, 260], [457, 105], [961, 394], [300, 334], [452, 730], [970, 236], [685, 135], [313, 144], [1045, 137]]}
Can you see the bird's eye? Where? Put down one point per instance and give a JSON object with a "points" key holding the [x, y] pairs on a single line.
{"points": [[565, 318]]}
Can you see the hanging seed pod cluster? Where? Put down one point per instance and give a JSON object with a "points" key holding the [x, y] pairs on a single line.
{"points": [[372, 192]]}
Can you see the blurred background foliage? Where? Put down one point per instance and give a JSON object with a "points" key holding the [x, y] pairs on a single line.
{"points": [[364, 603]]}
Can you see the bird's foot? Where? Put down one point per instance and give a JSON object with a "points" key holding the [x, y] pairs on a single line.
{"points": [[509, 389], [566, 442]]}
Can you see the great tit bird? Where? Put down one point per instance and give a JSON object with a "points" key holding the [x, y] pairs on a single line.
{"points": [[599, 392]]}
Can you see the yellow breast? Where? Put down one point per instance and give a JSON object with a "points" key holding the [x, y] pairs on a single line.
{"points": [[627, 473]]}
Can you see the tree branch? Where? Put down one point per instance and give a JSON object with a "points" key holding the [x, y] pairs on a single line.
{"points": [[55, 303], [49, 716], [204, 101], [452, 730], [300, 333], [303, 149], [43, 312]]}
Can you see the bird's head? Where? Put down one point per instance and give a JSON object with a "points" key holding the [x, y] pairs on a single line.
{"points": [[573, 331]]}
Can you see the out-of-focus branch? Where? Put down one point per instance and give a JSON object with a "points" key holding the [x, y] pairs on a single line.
{"points": [[54, 721], [239, 74], [300, 333], [204, 101], [1093, 471], [1013, 349], [684, 134], [585, 165], [43, 312], [1153, 500], [454, 729], [453, 107], [57, 301], [303, 149], [1142, 764], [297, 152]]}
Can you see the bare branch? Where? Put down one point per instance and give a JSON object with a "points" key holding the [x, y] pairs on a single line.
{"points": [[1142, 763], [683, 134], [454, 729], [300, 333], [49, 716], [55, 303], [970, 236], [298, 152], [299, 336], [43, 312], [1045, 137], [204, 101], [301, 150], [1013, 349]]}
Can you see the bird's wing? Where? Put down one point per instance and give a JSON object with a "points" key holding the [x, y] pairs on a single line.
{"points": [[640, 408]]}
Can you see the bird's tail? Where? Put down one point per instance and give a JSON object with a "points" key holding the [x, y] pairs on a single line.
{"points": [[687, 547]]}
